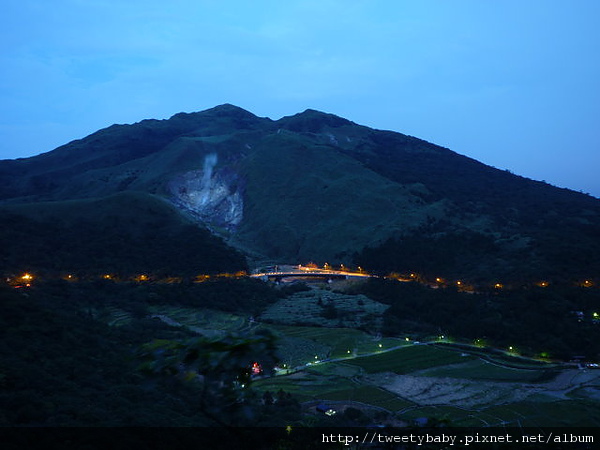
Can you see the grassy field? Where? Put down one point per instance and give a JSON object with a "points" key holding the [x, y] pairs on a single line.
{"points": [[499, 357], [483, 370], [360, 355], [328, 343], [208, 322], [370, 395], [117, 317], [410, 359], [305, 386]]}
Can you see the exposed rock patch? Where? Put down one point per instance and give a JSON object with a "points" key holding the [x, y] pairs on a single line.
{"points": [[212, 194]]}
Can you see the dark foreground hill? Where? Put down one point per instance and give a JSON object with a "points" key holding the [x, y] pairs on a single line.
{"points": [[314, 186], [122, 235]]}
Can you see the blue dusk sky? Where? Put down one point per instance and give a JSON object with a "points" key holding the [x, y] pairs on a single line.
{"points": [[511, 83]]}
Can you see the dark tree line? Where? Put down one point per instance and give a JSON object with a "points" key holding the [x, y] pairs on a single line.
{"points": [[113, 246]]}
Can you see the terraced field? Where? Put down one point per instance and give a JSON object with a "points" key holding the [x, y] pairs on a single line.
{"points": [[484, 370], [349, 367], [331, 343], [370, 395], [410, 359], [325, 308]]}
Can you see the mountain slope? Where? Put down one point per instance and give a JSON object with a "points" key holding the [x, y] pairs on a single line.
{"points": [[315, 186], [125, 234]]}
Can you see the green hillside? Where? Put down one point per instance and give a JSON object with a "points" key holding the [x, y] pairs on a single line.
{"points": [[313, 202], [128, 233], [317, 187]]}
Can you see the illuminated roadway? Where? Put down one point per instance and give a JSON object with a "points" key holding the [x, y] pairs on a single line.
{"points": [[302, 271]]}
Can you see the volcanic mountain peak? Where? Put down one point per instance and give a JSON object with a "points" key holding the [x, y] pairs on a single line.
{"points": [[224, 110], [315, 186], [312, 121]]}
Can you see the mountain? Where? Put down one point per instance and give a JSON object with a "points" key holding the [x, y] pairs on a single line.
{"points": [[123, 235], [317, 187]]}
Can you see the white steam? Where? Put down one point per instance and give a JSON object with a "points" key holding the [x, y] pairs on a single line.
{"points": [[210, 161]]}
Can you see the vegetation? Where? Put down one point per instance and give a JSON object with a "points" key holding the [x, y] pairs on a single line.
{"points": [[409, 359], [127, 349], [443, 251], [126, 234], [221, 369], [555, 320], [74, 369], [319, 187]]}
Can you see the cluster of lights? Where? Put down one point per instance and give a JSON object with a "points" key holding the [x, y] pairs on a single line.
{"points": [[27, 278], [461, 284]]}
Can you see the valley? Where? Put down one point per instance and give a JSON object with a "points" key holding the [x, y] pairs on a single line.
{"points": [[397, 380]]}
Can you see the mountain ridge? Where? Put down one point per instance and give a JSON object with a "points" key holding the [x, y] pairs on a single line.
{"points": [[315, 186]]}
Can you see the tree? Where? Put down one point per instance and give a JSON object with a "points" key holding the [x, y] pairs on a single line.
{"points": [[221, 368]]}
